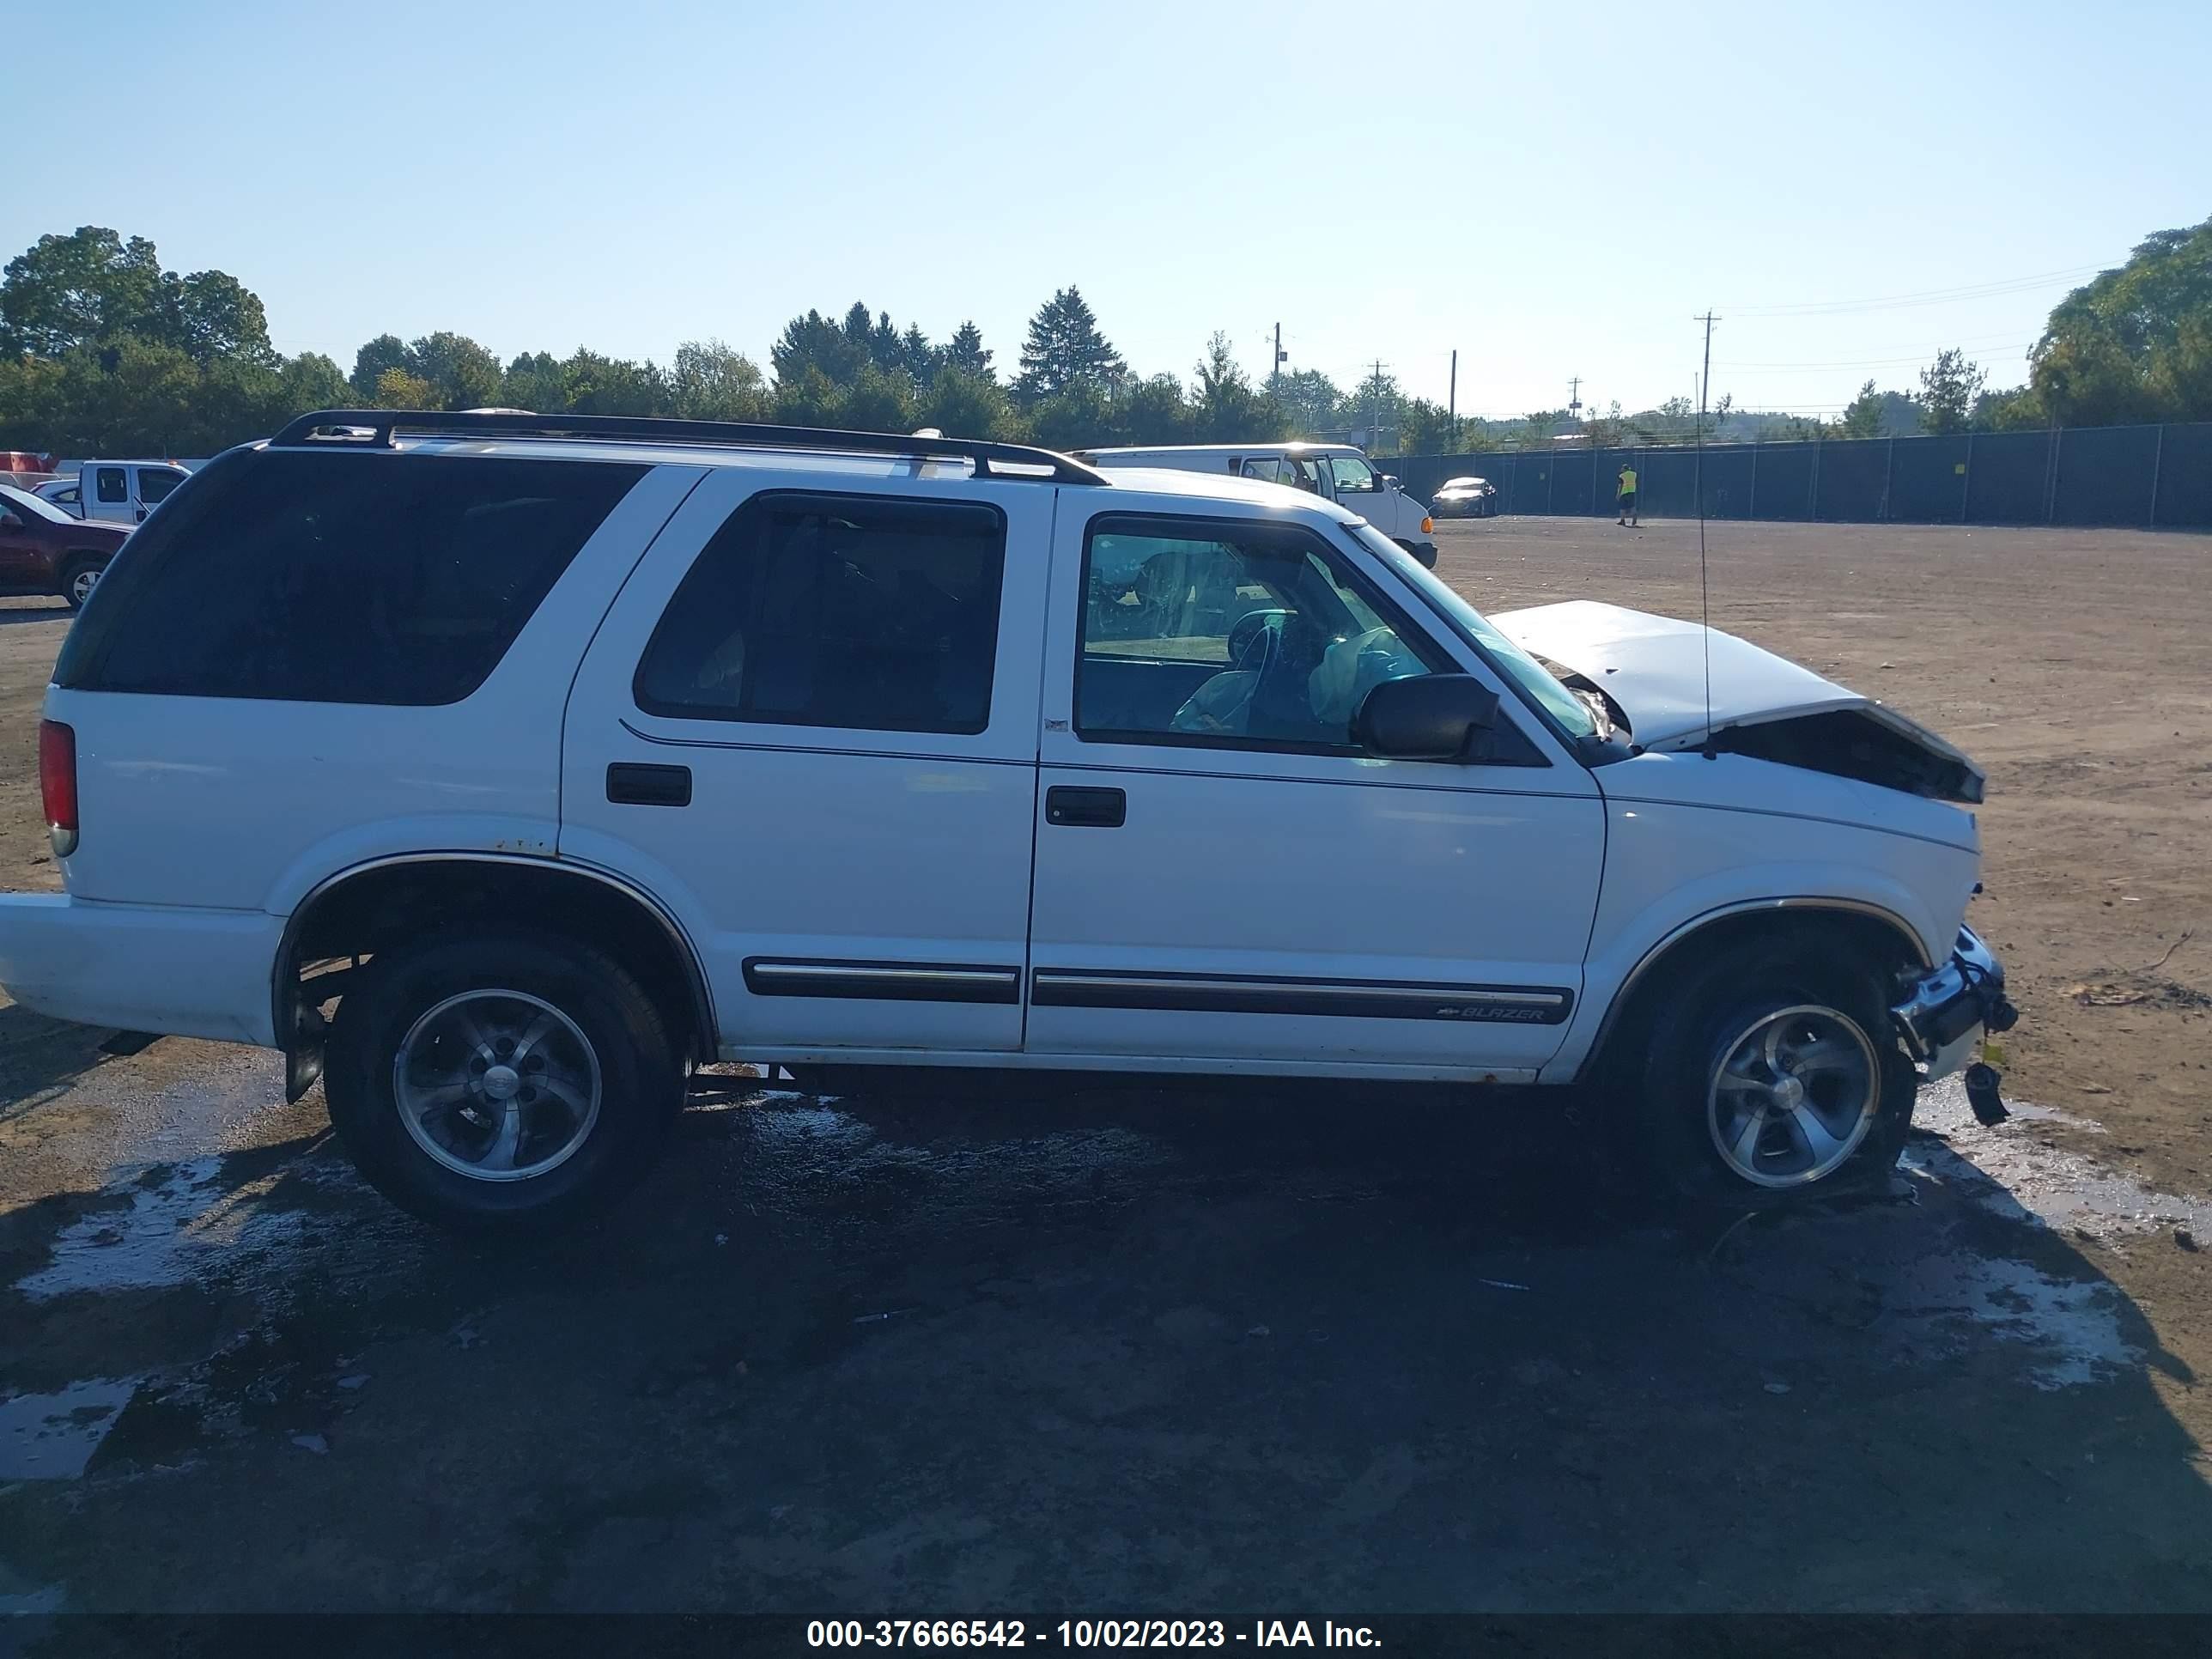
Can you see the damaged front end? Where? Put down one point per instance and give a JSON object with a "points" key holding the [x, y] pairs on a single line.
{"points": [[1664, 684], [1873, 744], [1946, 1011]]}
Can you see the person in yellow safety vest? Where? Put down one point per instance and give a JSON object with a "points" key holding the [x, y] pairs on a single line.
{"points": [[1628, 495]]}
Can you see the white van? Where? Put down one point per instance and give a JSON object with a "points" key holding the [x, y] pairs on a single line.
{"points": [[124, 492], [1338, 471]]}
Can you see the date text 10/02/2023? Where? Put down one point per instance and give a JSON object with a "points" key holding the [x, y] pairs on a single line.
{"points": [[1084, 1633]]}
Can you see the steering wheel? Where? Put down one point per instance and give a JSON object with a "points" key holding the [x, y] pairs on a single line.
{"points": [[1223, 704]]}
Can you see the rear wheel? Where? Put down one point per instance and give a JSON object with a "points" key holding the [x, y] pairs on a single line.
{"points": [[79, 579], [501, 1082], [1774, 1073]]}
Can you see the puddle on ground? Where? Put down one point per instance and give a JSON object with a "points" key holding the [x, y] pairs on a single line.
{"points": [[1951, 1301], [2012, 1173], [190, 1223], [174, 1231], [52, 1437], [2008, 1172]]}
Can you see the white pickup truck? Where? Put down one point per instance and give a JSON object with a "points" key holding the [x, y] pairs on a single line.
{"points": [[114, 492], [557, 754]]}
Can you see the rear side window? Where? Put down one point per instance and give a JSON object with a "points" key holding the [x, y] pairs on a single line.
{"points": [[378, 578], [865, 612], [108, 484]]}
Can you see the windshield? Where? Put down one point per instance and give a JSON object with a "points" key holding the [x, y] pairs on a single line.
{"points": [[22, 501], [1567, 711]]}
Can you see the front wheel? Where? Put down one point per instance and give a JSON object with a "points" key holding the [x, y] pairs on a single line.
{"points": [[1774, 1073], [500, 1082]]}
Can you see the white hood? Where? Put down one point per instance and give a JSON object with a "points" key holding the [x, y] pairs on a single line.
{"points": [[1655, 668]]}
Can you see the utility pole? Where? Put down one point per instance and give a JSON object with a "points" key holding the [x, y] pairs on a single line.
{"points": [[1275, 370], [1451, 411], [1574, 397], [1706, 375], [1375, 403]]}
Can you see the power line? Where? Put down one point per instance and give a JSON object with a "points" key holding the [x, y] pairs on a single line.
{"points": [[1933, 296], [1861, 362]]}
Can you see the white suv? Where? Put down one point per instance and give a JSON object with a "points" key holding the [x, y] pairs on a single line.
{"points": [[562, 755]]}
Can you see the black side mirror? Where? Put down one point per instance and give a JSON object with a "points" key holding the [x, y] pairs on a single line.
{"points": [[1430, 717], [9, 520]]}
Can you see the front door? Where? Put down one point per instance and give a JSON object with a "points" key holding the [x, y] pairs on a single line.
{"points": [[808, 725], [1223, 875], [152, 486]]}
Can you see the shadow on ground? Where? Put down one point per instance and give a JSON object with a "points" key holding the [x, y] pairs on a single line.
{"points": [[1120, 1349]]}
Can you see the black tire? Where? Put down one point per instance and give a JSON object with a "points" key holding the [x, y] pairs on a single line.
{"points": [[639, 1077], [73, 588], [1718, 1003]]}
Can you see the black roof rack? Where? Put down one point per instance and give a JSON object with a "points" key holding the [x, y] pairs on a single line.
{"points": [[377, 428]]}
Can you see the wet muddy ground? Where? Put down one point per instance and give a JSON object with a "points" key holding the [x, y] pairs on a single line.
{"points": [[1073, 1350]]}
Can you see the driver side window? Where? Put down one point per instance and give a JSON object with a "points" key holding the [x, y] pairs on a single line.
{"points": [[1258, 636]]}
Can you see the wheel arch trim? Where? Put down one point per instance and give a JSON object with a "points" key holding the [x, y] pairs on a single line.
{"points": [[1618, 1003], [285, 980]]}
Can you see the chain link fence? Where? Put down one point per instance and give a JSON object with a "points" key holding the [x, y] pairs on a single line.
{"points": [[2159, 476]]}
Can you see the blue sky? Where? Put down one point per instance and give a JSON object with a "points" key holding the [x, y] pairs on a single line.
{"points": [[1553, 190]]}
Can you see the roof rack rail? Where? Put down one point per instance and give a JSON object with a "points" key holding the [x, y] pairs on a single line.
{"points": [[377, 428]]}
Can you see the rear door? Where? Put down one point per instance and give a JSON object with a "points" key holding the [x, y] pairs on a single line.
{"points": [[108, 494], [808, 725]]}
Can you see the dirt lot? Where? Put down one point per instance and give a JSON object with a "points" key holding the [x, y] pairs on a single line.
{"points": [[1271, 1351]]}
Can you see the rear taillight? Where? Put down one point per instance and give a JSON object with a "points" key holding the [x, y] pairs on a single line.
{"points": [[57, 784]]}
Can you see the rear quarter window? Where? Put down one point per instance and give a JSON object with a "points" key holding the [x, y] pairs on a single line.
{"points": [[341, 578]]}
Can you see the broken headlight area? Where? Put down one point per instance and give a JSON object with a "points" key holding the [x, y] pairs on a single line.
{"points": [[1872, 744]]}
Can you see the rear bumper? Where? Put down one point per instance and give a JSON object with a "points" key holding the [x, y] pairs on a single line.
{"points": [[141, 968], [1950, 1007]]}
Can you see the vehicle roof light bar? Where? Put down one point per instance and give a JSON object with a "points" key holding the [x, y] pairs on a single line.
{"points": [[379, 428]]}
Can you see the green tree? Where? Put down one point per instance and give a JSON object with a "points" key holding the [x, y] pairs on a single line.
{"points": [[1948, 387], [814, 342], [397, 389], [879, 400], [1076, 416], [1311, 402], [807, 398], [917, 356], [613, 386], [2129, 345], [1427, 428], [1065, 350], [1375, 404], [1151, 411], [461, 374], [1226, 407], [534, 382], [709, 381], [309, 381], [88, 289], [385, 352], [211, 315], [2018, 410], [1862, 415], [968, 353], [961, 403]]}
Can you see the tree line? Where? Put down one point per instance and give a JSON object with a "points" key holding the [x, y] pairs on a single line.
{"points": [[102, 351]]}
